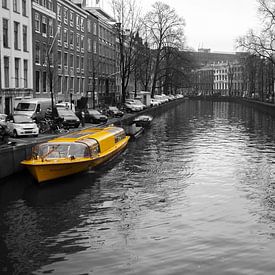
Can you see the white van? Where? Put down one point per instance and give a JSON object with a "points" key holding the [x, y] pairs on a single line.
{"points": [[34, 107]]}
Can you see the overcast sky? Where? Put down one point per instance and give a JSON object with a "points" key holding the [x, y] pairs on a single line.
{"points": [[213, 24]]}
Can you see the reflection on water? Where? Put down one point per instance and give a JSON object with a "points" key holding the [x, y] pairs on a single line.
{"points": [[194, 195]]}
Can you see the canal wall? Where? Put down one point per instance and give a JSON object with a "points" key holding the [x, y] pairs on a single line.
{"points": [[265, 107], [11, 156]]}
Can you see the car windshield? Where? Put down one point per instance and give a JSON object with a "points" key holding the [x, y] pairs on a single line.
{"points": [[22, 119], [94, 112], [25, 106]]}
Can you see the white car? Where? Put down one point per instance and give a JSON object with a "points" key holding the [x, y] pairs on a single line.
{"points": [[3, 118], [22, 125], [154, 102], [132, 106]]}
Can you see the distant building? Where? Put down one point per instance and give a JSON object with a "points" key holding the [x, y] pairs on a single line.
{"points": [[16, 71], [223, 70]]}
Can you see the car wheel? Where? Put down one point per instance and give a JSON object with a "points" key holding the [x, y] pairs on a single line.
{"points": [[15, 134]]}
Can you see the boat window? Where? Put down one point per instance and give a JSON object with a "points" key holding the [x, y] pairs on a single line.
{"points": [[61, 150], [93, 145], [95, 150], [120, 136]]}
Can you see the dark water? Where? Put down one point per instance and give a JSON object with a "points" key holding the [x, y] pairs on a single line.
{"points": [[194, 195]]}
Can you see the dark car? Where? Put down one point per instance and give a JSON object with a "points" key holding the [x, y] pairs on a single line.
{"points": [[113, 111], [94, 116], [70, 119]]}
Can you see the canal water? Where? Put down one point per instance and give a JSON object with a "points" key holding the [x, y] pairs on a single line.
{"points": [[194, 195]]}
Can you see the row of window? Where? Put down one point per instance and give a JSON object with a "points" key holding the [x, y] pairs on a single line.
{"points": [[48, 4], [43, 25], [224, 86], [20, 65], [17, 6], [69, 17], [64, 84], [17, 32], [70, 60]]}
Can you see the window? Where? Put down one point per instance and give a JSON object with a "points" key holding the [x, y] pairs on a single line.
{"points": [[4, 4], [6, 71], [78, 41], [66, 59], [77, 21], [71, 18], [59, 81], [82, 24], [44, 82], [15, 6], [78, 62], [24, 7], [51, 27], [5, 33], [89, 25], [82, 63], [25, 38], [71, 60], [37, 52], [59, 59], [95, 47], [95, 29], [50, 5], [65, 84], [59, 35], [72, 84], [44, 54], [59, 11], [44, 26], [16, 35], [37, 81], [65, 15], [37, 22], [72, 38], [16, 70], [25, 73], [65, 37], [89, 45], [82, 42]]}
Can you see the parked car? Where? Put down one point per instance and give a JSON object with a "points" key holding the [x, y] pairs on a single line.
{"points": [[69, 117], [94, 116], [4, 134], [22, 125], [113, 111], [3, 117], [154, 102], [133, 105]]}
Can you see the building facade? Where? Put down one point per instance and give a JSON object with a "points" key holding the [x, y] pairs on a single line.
{"points": [[16, 70], [44, 47]]}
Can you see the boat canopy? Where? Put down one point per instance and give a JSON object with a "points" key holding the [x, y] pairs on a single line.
{"points": [[55, 150]]}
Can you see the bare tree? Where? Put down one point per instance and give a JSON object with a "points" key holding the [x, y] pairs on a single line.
{"points": [[166, 30], [127, 15], [261, 43]]}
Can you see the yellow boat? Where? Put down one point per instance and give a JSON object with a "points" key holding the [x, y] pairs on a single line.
{"points": [[75, 152]]}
